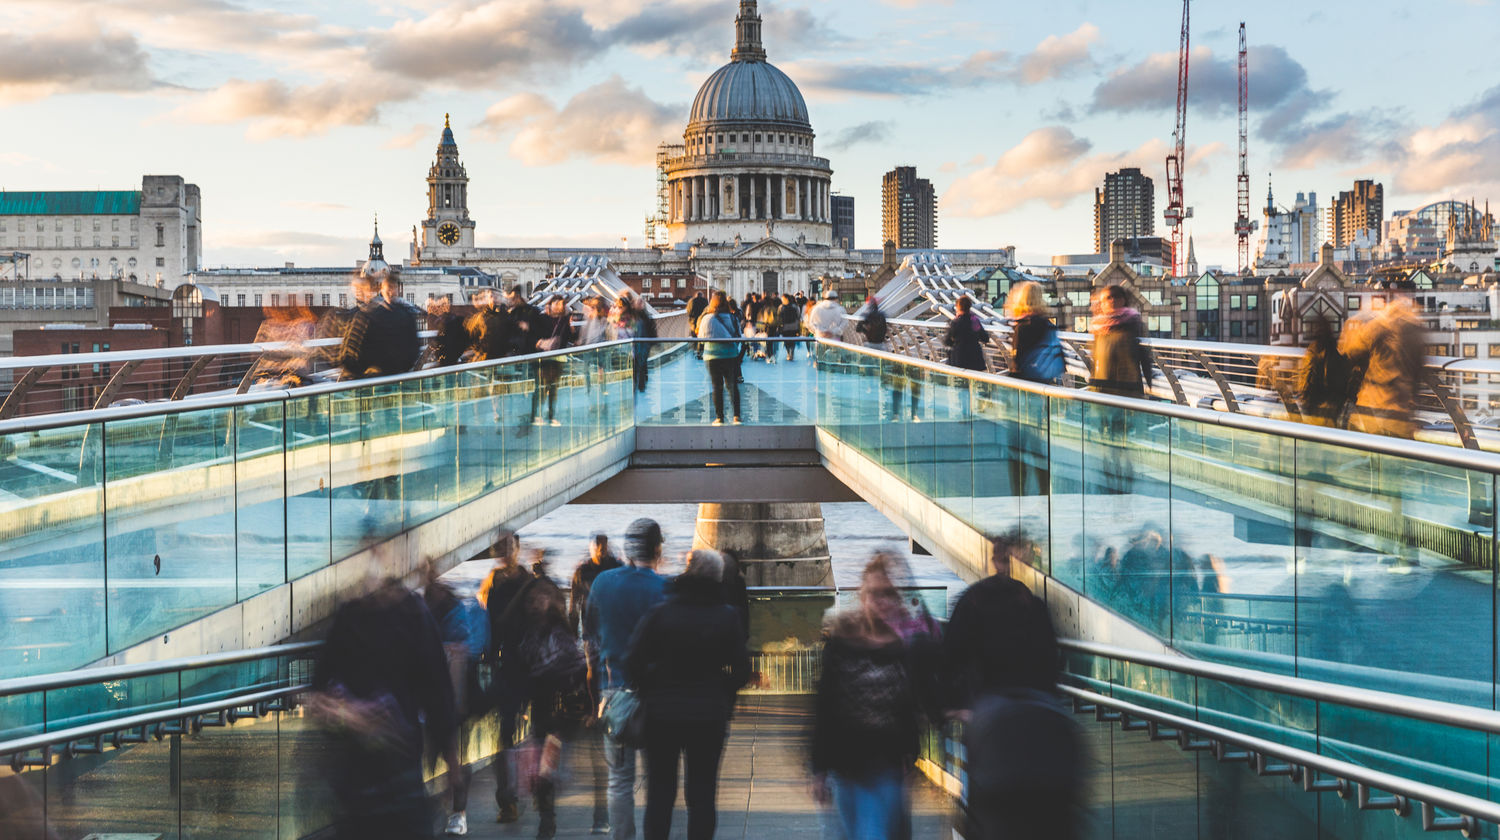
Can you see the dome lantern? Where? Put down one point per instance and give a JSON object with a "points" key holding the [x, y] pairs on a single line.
{"points": [[747, 43]]}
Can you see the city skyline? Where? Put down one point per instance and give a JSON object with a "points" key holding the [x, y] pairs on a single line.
{"points": [[306, 124]]}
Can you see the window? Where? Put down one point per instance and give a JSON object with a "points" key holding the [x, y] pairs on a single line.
{"points": [[135, 242], [239, 300], [343, 300], [1236, 329], [1208, 293], [77, 242], [161, 262], [646, 285], [257, 300], [96, 224], [41, 225], [131, 262], [114, 241], [2, 225], [78, 224], [307, 299], [1234, 301], [1252, 302], [58, 241], [1495, 351], [275, 299], [325, 300], [1352, 303], [1252, 328], [135, 224], [161, 235], [1471, 351], [757, 138]]}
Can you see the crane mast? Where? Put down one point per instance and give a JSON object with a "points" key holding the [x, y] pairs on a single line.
{"points": [[1176, 210], [1242, 224]]}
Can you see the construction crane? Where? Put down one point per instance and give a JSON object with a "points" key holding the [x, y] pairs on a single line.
{"points": [[1177, 211], [1242, 224]]}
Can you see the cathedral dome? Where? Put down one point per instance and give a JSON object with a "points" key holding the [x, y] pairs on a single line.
{"points": [[749, 92]]}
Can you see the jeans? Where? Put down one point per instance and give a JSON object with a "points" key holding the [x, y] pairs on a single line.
{"points": [[872, 808], [702, 742], [621, 761], [725, 374]]}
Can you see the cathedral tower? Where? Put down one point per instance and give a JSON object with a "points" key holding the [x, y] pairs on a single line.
{"points": [[447, 231]]}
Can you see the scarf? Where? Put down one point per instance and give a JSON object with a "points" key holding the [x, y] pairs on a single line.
{"points": [[1104, 323]]}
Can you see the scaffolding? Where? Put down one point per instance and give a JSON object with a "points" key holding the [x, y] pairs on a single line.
{"points": [[10, 265], [657, 221]]}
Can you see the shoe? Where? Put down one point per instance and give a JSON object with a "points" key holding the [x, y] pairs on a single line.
{"points": [[717, 422], [547, 828], [509, 812], [736, 421], [600, 827], [538, 421], [915, 419], [458, 825], [557, 422]]}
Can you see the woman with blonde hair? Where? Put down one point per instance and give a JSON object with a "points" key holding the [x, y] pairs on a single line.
{"points": [[1035, 352]]}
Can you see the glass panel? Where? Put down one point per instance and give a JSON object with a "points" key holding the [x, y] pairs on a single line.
{"points": [[260, 496], [226, 781], [170, 521], [52, 605], [132, 790], [1071, 563], [308, 485], [427, 454], [365, 429]]}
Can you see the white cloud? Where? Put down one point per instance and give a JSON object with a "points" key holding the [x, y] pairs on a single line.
{"points": [[610, 122], [275, 109]]}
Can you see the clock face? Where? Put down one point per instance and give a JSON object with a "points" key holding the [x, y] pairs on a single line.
{"points": [[448, 233]]}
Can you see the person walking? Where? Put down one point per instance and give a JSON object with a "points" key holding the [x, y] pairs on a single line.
{"points": [[509, 688], [645, 327], [488, 327], [696, 307], [381, 337], [595, 326], [618, 600], [965, 337], [599, 561], [1035, 352], [381, 679], [1122, 364], [1389, 348], [687, 661], [1024, 753], [722, 357], [450, 340], [872, 325], [789, 324], [555, 332], [866, 715], [524, 320], [465, 632], [826, 319], [1323, 376]]}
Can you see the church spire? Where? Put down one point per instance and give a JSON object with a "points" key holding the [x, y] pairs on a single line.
{"points": [[747, 43], [377, 248], [447, 143]]}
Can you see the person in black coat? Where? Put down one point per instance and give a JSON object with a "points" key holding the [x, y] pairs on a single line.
{"points": [[381, 336], [524, 319], [966, 337], [554, 332], [687, 661], [509, 685], [450, 340]]}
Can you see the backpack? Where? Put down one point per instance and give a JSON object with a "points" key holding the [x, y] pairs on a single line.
{"points": [[1044, 362], [874, 327]]}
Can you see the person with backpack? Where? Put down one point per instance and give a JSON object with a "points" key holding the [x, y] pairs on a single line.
{"points": [[722, 357], [1035, 351], [872, 324], [966, 337], [789, 324]]}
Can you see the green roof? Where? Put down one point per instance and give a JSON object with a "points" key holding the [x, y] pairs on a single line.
{"points": [[75, 203]]}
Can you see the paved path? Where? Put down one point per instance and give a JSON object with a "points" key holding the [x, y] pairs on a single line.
{"points": [[762, 786]]}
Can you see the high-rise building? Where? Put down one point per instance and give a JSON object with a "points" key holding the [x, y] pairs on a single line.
{"points": [[908, 209], [843, 221], [1290, 236], [1357, 210], [1125, 208]]}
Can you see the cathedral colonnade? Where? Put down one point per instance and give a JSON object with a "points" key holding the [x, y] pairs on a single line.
{"points": [[752, 196]]}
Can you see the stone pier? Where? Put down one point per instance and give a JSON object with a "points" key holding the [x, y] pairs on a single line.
{"points": [[776, 543]]}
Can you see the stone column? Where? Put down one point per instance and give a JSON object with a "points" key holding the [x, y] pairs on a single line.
{"points": [[754, 206], [775, 543]]}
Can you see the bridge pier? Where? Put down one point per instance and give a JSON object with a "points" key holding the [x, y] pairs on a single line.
{"points": [[775, 543]]}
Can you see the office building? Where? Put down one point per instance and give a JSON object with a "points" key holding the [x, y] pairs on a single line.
{"points": [[1124, 208], [908, 210]]}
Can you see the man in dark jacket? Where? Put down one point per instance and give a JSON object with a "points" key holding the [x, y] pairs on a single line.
{"points": [[381, 337], [381, 677], [966, 337], [688, 660], [789, 324], [497, 593], [696, 306], [600, 560], [524, 320], [450, 340]]}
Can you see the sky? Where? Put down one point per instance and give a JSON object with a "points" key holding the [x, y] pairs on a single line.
{"points": [[302, 120]]}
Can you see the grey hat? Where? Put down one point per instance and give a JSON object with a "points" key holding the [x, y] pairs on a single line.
{"points": [[642, 539], [830, 295]]}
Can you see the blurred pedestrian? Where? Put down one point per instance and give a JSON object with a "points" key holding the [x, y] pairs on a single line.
{"points": [[1024, 753], [599, 561], [618, 600], [1323, 377], [508, 681], [826, 320], [450, 340], [722, 357], [965, 337], [595, 326], [866, 715], [488, 327], [645, 328], [687, 661], [873, 325], [1035, 352], [381, 337], [465, 632], [1387, 347], [524, 321], [287, 365], [789, 324], [381, 679], [555, 332], [1122, 364], [696, 307]]}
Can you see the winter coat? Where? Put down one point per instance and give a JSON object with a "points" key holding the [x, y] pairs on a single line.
{"points": [[688, 658], [826, 320], [1122, 364], [866, 714], [1389, 349], [381, 340], [1027, 334], [965, 341]]}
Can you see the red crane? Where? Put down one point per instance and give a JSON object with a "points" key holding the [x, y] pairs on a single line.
{"points": [[1242, 224], [1177, 211]]}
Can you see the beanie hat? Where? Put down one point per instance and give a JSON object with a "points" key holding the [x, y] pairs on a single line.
{"points": [[642, 539]]}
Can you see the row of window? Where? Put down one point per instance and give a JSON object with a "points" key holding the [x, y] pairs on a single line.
{"points": [[46, 297], [114, 226], [705, 144], [57, 242], [58, 223]]}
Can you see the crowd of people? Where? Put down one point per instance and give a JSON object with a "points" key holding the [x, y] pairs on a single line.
{"points": [[401, 672]]}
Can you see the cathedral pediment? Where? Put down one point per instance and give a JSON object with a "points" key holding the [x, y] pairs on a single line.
{"points": [[770, 248]]}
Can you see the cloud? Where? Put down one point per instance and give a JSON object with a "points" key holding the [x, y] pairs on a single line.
{"points": [[276, 109], [1213, 84], [408, 139], [1052, 165], [877, 131], [478, 43], [1459, 155], [611, 122], [85, 58], [1055, 57]]}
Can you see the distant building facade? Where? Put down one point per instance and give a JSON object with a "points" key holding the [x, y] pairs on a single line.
{"points": [[908, 209], [153, 235], [1290, 236], [843, 221], [1124, 208], [1355, 212]]}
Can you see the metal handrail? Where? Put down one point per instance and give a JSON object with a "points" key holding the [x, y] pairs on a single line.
{"points": [[1453, 456], [44, 740], [1303, 766], [112, 673], [1415, 708]]}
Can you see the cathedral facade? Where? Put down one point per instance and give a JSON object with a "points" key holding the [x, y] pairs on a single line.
{"points": [[750, 204]]}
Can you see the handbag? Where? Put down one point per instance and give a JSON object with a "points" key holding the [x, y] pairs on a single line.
{"points": [[1044, 362], [624, 718]]}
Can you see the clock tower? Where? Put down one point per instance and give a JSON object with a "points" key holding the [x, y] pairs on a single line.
{"points": [[447, 231]]}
